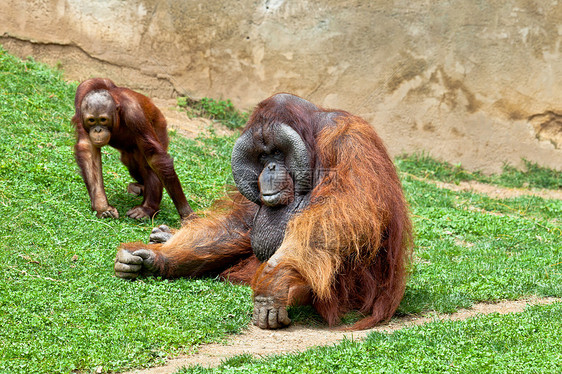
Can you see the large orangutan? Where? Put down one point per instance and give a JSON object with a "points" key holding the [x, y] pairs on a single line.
{"points": [[130, 122], [320, 218]]}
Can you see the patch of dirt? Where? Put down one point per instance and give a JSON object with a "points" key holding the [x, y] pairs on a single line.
{"points": [[186, 126], [295, 338], [493, 191]]}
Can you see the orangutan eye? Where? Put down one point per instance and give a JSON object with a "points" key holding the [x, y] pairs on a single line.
{"points": [[91, 120]]}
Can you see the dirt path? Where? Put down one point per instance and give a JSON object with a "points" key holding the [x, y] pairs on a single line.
{"points": [[496, 192], [297, 338]]}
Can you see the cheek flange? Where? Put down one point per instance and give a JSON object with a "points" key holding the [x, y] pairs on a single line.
{"points": [[246, 168]]}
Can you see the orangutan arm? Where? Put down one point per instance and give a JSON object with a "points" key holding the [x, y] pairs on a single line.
{"points": [[277, 286], [204, 246]]}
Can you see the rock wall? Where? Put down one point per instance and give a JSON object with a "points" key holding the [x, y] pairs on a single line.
{"points": [[475, 82]]}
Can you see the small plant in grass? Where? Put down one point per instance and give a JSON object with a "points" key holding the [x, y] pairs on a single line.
{"points": [[238, 361], [218, 110]]}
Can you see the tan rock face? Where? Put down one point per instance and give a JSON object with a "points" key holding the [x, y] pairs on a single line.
{"points": [[466, 81]]}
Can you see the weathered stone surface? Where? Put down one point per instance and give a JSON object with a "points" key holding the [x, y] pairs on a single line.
{"points": [[466, 81]]}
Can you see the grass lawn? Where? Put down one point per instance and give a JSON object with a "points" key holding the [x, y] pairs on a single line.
{"points": [[62, 310]]}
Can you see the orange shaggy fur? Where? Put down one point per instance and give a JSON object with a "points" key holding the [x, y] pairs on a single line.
{"points": [[352, 247]]}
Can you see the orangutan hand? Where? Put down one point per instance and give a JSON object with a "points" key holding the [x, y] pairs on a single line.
{"points": [[268, 314], [160, 234], [130, 265]]}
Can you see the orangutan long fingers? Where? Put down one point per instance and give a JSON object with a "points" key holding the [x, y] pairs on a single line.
{"points": [[160, 234], [126, 275], [283, 316], [267, 315], [127, 268], [262, 317], [272, 319], [126, 257], [127, 265], [138, 213], [147, 259], [255, 315]]}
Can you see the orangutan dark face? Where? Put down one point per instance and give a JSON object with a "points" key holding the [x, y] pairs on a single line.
{"points": [[272, 169]]}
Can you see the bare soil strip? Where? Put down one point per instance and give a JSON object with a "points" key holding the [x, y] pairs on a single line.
{"points": [[297, 338], [497, 192]]}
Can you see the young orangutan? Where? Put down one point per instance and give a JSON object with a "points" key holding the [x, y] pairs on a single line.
{"points": [[130, 122]]}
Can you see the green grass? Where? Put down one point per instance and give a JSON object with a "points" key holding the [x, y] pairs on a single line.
{"points": [[62, 310], [471, 248]]}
